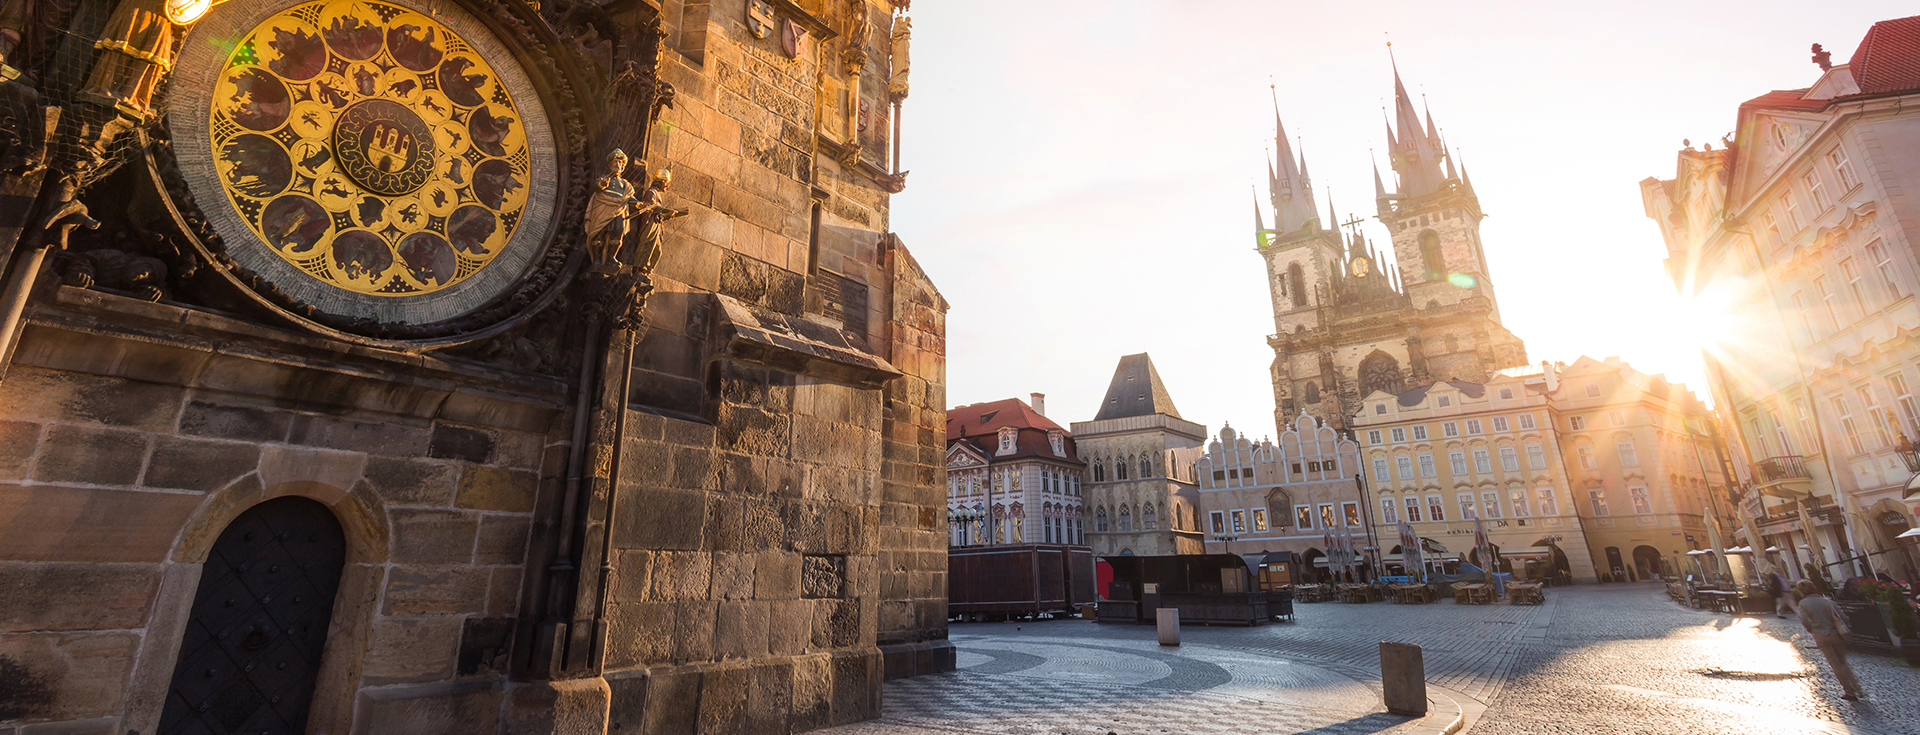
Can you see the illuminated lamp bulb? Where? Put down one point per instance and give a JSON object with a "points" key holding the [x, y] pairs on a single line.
{"points": [[184, 12]]}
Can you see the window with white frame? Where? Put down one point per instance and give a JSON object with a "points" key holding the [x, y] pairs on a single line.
{"points": [[1770, 230], [1599, 500], [1499, 423], [1883, 265], [1506, 394], [1816, 191], [1399, 434], [1593, 390], [1628, 457], [1805, 306], [1875, 416], [1007, 436], [1808, 434], [1406, 467], [1443, 401], [1379, 409], [1380, 469], [1239, 522], [1521, 508], [1526, 421], [1902, 396], [1536, 457], [1473, 427], [1350, 513], [1490, 504], [1577, 423], [1826, 303], [1587, 461], [1303, 517], [1847, 426], [1259, 519], [1420, 432], [1548, 505], [1780, 430], [1792, 208], [1642, 505], [1450, 429], [1466, 507], [1509, 459], [1458, 460], [1413, 509], [1482, 463], [1856, 286], [1435, 510], [1373, 436], [1617, 418], [1217, 521], [1426, 466], [1842, 169], [1328, 518]]}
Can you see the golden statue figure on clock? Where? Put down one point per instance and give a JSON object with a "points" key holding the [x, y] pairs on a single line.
{"points": [[370, 146]]}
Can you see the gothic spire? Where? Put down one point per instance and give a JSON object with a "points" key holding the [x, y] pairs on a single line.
{"points": [[1379, 189], [1292, 192], [1259, 222], [1416, 153]]}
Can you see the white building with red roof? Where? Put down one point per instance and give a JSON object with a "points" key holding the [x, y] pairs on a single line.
{"points": [[1804, 222], [1013, 476]]}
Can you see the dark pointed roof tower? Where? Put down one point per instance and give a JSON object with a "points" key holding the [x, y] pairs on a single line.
{"points": [[1416, 153], [1136, 390], [1292, 192]]}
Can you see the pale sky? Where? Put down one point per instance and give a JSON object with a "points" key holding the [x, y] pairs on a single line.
{"points": [[1081, 170]]}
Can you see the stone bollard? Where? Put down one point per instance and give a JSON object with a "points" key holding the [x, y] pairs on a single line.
{"points": [[1403, 679], [1169, 620]]}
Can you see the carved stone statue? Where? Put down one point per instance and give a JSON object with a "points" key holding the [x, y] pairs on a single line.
{"points": [[902, 64], [607, 213], [135, 50], [652, 212]]}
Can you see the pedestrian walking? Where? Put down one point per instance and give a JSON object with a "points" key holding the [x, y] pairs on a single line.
{"points": [[1822, 619], [1782, 597]]}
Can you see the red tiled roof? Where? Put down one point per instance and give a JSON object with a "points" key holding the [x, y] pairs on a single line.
{"points": [[1784, 99], [1888, 59], [985, 419], [979, 425]]}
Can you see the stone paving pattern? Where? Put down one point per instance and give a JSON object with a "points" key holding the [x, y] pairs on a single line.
{"points": [[1612, 659]]}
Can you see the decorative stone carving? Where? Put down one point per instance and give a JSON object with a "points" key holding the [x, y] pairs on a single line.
{"points": [[608, 213], [902, 64]]}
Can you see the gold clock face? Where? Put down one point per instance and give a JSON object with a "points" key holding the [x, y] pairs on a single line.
{"points": [[1361, 266], [370, 146]]}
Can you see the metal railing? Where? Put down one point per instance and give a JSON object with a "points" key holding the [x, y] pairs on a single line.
{"points": [[1776, 469]]}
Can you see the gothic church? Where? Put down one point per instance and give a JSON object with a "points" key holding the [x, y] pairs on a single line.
{"points": [[1347, 324]]}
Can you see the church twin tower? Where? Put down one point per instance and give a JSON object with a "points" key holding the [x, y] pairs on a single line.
{"points": [[1346, 324]]}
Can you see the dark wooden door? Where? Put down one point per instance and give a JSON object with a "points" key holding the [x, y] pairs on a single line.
{"points": [[259, 623]]}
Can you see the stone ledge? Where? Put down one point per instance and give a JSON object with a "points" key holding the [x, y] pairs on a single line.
{"points": [[796, 345]]}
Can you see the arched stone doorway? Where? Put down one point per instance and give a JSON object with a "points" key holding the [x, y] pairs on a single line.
{"points": [[252, 647], [1616, 570], [1648, 562]]}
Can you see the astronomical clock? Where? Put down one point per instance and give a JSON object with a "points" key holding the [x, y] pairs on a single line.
{"points": [[381, 168]]}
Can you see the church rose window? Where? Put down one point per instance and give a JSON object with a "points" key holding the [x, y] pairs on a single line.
{"points": [[1382, 373]]}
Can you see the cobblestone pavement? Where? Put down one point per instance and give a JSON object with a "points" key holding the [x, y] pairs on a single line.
{"points": [[1594, 659]]}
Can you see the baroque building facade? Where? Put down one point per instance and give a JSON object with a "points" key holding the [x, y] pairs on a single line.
{"points": [[1442, 456], [1345, 322], [1013, 476], [455, 366], [1283, 495], [1644, 466], [1801, 228], [1140, 483]]}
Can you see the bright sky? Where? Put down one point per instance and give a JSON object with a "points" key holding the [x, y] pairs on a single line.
{"points": [[1081, 170]]}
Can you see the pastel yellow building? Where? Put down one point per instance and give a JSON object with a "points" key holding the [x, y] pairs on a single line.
{"points": [[1443, 455]]}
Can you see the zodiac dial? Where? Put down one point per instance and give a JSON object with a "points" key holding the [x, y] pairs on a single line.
{"points": [[370, 146]]}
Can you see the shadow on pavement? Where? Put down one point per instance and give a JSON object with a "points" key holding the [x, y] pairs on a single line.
{"points": [[1376, 722]]}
